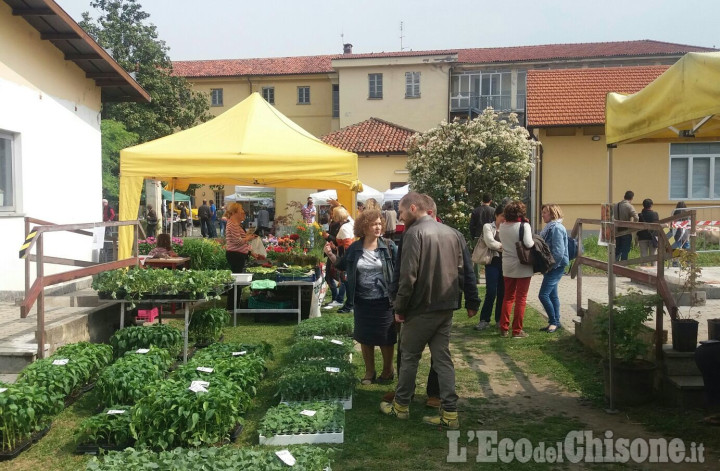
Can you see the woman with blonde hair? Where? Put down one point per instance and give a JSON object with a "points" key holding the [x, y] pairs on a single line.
{"points": [[555, 236], [369, 264]]}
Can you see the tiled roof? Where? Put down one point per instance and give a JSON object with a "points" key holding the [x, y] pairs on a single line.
{"points": [[267, 66], [322, 64], [643, 47], [565, 97], [372, 136]]}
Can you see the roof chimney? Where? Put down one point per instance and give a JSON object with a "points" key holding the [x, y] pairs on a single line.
{"points": [[347, 48]]}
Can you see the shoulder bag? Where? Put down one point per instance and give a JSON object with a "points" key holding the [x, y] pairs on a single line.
{"points": [[482, 255]]}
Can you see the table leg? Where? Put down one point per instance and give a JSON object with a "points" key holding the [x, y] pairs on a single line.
{"points": [[299, 303], [122, 314], [235, 305], [185, 335]]}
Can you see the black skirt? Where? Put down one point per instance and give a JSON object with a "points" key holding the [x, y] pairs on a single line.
{"points": [[374, 322]]}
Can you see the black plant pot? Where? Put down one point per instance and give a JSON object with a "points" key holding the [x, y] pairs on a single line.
{"points": [[684, 335], [633, 383], [713, 329]]}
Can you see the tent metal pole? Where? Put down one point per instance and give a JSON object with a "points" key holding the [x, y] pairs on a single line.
{"points": [[172, 210], [611, 285]]}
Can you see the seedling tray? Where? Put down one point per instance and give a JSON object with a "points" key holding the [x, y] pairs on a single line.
{"points": [[346, 402], [303, 438], [94, 449], [6, 455]]}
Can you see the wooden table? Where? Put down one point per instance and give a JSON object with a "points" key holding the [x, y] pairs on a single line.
{"points": [[173, 263]]}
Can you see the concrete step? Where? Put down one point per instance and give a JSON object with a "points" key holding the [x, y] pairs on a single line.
{"points": [[684, 391], [679, 363], [19, 353]]}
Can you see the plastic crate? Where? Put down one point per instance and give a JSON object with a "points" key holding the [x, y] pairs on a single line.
{"points": [[285, 277], [256, 302], [147, 315]]}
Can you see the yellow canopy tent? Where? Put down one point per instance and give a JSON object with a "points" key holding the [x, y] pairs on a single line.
{"points": [[681, 105], [250, 144]]}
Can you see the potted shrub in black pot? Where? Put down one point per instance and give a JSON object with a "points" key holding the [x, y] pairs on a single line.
{"points": [[685, 328], [633, 374]]}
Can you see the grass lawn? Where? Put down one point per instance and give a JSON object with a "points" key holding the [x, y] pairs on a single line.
{"points": [[539, 388]]}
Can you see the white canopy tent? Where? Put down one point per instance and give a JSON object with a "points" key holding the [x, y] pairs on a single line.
{"points": [[396, 194], [321, 197]]}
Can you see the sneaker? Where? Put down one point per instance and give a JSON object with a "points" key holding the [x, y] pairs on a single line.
{"points": [[482, 325], [345, 310], [393, 409], [544, 329], [332, 304], [503, 333], [520, 335], [433, 402], [445, 419]]}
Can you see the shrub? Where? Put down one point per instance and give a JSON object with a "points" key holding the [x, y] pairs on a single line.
{"points": [[207, 325], [160, 335]]}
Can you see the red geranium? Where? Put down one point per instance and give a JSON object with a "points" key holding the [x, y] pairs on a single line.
{"points": [[294, 236]]}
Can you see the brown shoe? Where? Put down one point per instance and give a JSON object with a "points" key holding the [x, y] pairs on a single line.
{"points": [[389, 397], [504, 333], [433, 402]]}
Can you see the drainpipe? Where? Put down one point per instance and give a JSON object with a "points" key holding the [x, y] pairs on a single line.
{"points": [[250, 84]]}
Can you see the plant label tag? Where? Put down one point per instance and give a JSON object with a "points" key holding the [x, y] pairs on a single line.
{"points": [[2, 390], [239, 354], [337, 342], [332, 369], [317, 337], [309, 413], [142, 351], [115, 411], [286, 457], [199, 386], [62, 361], [204, 369]]}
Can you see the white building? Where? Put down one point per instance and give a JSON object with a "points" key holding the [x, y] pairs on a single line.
{"points": [[53, 81]]}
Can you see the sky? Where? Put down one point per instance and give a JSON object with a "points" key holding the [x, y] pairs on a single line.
{"points": [[234, 29]]}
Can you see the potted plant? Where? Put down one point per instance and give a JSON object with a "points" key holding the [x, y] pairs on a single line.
{"points": [[633, 375], [685, 329]]}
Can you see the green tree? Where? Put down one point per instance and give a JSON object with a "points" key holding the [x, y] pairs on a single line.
{"points": [[114, 138], [457, 162], [133, 42]]}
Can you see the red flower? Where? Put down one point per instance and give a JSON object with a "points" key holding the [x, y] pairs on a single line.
{"points": [[294, 236]]}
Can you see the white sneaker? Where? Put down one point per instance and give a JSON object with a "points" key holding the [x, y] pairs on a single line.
{"points": [[332, 305], [482, 325]]}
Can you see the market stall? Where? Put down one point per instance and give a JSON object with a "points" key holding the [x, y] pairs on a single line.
{"points": [[251, 144]]}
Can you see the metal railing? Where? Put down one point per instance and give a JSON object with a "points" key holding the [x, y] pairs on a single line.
{"points": [[623, 268], [36, 292]]}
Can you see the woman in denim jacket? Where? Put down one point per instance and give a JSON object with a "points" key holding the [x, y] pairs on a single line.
{"points": [[555, 235], [369, 263]]}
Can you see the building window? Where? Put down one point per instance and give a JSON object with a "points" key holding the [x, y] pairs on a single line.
{"points": [[480, 90], [336, 101], [695, 171], [412, 84], [268, 94], [375, 85], [216, 96], [303, 95], [7, 173], [219, 197]]}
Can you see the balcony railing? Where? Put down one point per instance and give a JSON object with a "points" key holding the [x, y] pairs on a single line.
{"points": [[497, 102]]}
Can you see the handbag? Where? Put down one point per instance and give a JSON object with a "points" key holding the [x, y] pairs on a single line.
{"points": [[257, 248], [525, 255], [482, 255]]}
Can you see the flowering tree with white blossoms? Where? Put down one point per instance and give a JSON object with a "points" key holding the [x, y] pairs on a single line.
{"points": [[457, 162]]}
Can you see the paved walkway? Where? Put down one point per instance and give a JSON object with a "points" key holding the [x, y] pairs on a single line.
{"points": [[596, 288]]}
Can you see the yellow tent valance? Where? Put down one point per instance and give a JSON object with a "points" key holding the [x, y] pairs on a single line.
{"points": [[683, 103], [250, 144]]}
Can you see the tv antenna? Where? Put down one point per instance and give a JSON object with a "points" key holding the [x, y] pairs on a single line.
{"points": [[401, 37]]}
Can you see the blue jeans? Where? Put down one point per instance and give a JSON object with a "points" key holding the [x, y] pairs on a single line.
{"points": [[622, 247], [494, 288], [549, 294], [223, 223], [336, 293]]}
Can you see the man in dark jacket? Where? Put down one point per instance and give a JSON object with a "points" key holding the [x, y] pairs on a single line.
{"points": [[204, 215], [435, 270]]}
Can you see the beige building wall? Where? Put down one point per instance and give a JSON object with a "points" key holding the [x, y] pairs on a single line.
{"points": [[37, 64], [573, 173], [419, 114], [379, 171], [315, 117]]}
